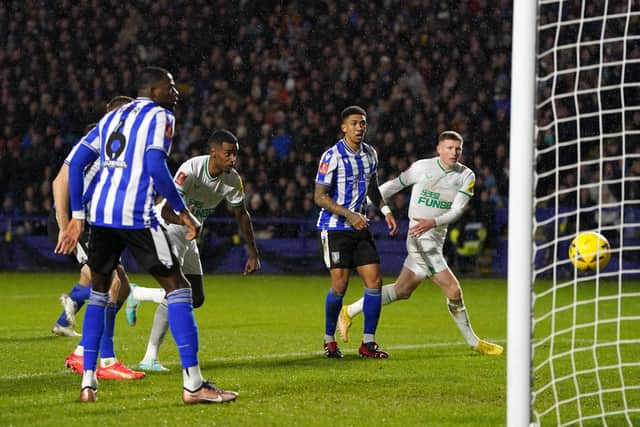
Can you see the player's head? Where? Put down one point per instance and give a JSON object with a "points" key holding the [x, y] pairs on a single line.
{"points": [[114, 103], [223, 150], [449, 148], [118, 101], [158, 84], [354, 124]]}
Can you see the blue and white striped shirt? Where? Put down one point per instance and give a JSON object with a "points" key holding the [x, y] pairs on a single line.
{"points": [[90, 173], [124, 193], [348, 174]]}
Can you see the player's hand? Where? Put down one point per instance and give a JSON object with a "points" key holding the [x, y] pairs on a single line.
{"points": [[68, 239], [192, 224], [422, 226], [391, 224], [252, 265], [357, 220], [169, 215]]}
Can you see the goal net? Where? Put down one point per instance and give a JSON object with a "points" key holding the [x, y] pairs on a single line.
{"points": [[585, 326]]}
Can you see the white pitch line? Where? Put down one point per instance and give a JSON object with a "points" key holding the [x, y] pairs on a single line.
{"points": [[252, 358]]}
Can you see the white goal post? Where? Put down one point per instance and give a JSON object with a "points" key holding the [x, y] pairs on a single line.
{"points": [[573, 337]]}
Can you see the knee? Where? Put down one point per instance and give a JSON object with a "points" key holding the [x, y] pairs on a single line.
{"points": [[403, 293], [455, 293]]}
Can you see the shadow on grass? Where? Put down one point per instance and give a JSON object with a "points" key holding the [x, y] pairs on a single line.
{"points": [[320, 361]]}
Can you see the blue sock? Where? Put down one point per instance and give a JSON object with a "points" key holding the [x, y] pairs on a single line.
{"points": [[183, 326], [371, 309], [93, 327], [79, 294], [106, 342], [332, 307]]}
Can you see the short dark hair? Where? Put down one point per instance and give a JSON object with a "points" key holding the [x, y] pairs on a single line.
{"points": [[149, 76], [117, 101], [450, 134], [220, 136], [351, 110]]}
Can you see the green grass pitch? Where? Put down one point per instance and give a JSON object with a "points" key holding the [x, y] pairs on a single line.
{"points": [[262, 336]]}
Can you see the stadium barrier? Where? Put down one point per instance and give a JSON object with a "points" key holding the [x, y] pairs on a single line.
{"points": [[286, 245]]}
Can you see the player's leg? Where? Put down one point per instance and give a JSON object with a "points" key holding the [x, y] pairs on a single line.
{"points": [[337, 252], [150, 361], [180, 246], [152, 250], [332, 307], [189, 257], [110, 367], [367, 264], [159, 330], [406, 282], [79, 293], [72, 302], [371, 307], [136, 296], [104, 251], [450, 286]]}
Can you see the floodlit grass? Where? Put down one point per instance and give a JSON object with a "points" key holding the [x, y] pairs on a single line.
{"points": [[262, 336], [587, 353]]}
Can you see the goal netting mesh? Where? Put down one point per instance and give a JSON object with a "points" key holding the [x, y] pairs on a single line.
{"points": [[586, 325]]}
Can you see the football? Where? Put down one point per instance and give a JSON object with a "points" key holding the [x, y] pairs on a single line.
{"points": [[590, 251]]}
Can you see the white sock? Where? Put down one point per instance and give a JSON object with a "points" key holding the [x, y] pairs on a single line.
{"points": [[152, 352], [107, 361], [459, 314], [158, 331], [89, 379], [368, 338], [388, 296], [148, 294], [329, 338], [79, 351], [192, 378]]}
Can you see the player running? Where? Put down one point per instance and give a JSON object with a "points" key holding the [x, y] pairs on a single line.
{"points": [[204, 181], [441, 188]]}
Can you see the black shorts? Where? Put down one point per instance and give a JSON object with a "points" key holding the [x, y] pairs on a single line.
{"points": [[80, 253], [348, 249], [149, 246]]}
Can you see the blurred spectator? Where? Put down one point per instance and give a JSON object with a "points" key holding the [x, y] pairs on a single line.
{"points": [[276, 73]]}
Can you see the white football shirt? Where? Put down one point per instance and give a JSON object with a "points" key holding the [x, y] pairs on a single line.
{"points": [[202, 192], [437, 193]]}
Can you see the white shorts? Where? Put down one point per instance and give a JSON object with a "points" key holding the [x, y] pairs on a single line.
{"points": [[424, 259], [185, 250]]}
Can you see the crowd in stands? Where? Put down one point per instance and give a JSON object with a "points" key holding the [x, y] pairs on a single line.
{"points": [[276, 73]]}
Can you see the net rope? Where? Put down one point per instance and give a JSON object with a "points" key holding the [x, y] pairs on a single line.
{"points": [[586, 325]]}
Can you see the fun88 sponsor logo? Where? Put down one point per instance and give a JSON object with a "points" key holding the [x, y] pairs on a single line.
{"points": [[432, 199]]}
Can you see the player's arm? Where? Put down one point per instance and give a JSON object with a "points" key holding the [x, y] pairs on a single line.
{"points": [[377, 200], [246, 228], [68, 239], [60, 190], [322, 198], [156, 163], [168, 214]]}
